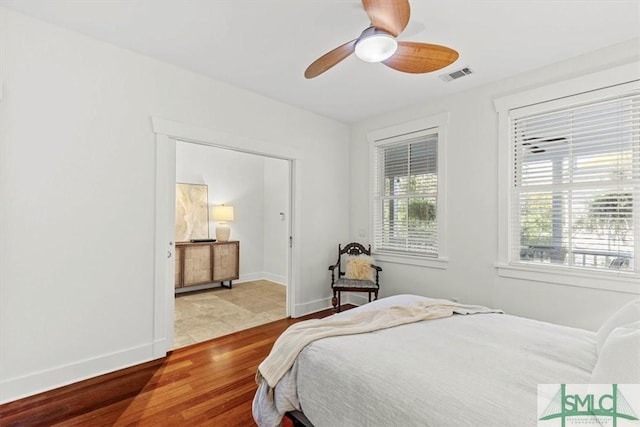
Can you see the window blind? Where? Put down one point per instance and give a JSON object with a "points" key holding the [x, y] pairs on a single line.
{"points": [[405, 195], [576, 173]]}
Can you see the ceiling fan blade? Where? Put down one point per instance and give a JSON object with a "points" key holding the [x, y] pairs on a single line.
{"points": [[416, 58], [391, 16], [330, 59]]}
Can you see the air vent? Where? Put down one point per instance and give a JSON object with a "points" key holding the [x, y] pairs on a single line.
{"points": [[456, 74]]}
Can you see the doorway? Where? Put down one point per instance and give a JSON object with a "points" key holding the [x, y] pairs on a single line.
{"points": [[168, 133], [256, 188]]}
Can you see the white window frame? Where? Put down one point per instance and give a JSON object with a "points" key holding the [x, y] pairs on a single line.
{"points": [[579, 89], [394, 134]]}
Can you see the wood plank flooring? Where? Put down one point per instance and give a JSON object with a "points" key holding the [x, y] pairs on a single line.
{"points": [[210, 383]]}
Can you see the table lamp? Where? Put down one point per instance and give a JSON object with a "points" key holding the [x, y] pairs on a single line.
{"points": [[222, 214]]}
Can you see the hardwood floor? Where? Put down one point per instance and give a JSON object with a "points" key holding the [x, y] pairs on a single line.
{"points": [[210, 383]]}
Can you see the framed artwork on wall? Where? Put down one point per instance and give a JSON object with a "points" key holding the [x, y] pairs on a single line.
{"points": [[192, 212]]}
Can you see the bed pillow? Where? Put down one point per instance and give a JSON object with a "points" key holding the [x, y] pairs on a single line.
{"points": [[628, 313], [619, 359], [359, 267]]}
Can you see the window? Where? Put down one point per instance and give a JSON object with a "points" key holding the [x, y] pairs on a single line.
{"points": [[407, 218], [575, 170], [574, 184]]}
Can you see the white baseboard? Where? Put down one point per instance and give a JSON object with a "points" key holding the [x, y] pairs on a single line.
{"points": [[249, 277], [16, 388], [161, 346], [311, 307], [276, 278], [323, 304], [355, 298], [263, 275], [245, 277]]}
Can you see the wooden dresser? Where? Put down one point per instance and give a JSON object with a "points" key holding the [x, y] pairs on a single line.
{"points": [[207, 262]]}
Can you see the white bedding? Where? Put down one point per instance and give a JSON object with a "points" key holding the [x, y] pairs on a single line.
{"points": [[478, 370]]}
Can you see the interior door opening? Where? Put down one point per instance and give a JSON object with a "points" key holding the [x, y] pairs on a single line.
{"points": [[168, 135], [237, 279]]}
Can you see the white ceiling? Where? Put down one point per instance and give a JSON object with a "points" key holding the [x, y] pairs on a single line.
{"points": [[265, 45]]}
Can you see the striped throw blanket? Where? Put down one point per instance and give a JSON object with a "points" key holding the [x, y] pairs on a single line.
{"points": [[298, 336]]}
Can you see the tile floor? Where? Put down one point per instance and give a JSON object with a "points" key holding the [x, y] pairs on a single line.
{"points": [[204, 315]]}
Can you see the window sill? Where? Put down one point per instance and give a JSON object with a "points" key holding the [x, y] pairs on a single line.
{"points": [[440, 263], [607, 281]]}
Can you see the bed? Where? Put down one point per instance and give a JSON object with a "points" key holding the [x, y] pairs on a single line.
{"points": [[476, 370]]}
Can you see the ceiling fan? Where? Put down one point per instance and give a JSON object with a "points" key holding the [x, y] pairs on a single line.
{"points": [[378, 43]]}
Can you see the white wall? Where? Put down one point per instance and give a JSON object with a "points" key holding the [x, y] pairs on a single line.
{"points": [[276, 201], [472, 204], [258, 189], [236, 179], [77, 171]]}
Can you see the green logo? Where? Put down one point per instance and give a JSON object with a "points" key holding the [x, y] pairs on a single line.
{"points": [[590, 407]]}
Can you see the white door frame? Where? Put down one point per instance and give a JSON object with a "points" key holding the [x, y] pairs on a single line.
{"points": [[167, 132]]}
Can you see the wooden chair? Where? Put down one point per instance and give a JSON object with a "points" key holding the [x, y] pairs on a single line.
{"points": [[343, 284]]}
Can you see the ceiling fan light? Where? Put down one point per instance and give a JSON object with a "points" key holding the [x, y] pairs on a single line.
{"points": [[375, 45]]}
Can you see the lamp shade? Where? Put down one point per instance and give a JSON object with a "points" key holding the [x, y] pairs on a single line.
{"points": [[223, 213]]}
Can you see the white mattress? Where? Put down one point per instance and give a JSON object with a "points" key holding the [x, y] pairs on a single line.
{"points": [[476, 370]]}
